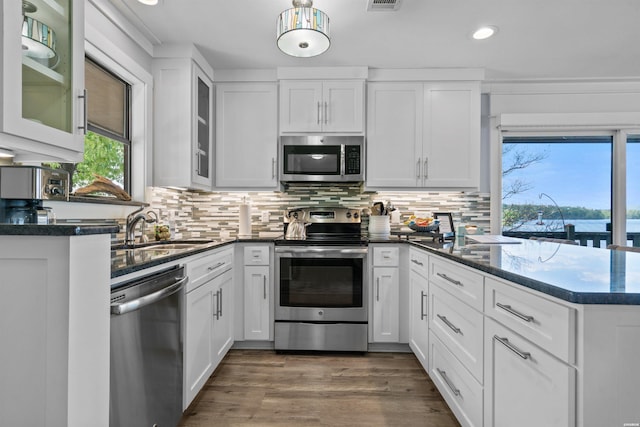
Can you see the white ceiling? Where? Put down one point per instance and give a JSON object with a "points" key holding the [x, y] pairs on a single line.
{"points": [[537, 39]]}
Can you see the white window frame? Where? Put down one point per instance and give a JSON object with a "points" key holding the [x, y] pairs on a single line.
{"points": [[616, 125]]}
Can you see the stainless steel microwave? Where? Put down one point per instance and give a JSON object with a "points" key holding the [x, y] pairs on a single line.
{"points": [[322, 158]]}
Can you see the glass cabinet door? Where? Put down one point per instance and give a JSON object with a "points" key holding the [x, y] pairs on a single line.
{"points": [[43, 79], [203, 129]]}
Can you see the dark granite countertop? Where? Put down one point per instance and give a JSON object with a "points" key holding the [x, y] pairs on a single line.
{"points": [[57, 229], [129, 261], [577, 274]]}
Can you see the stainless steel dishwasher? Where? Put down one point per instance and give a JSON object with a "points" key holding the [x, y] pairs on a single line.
{"points": [[146, 350]]}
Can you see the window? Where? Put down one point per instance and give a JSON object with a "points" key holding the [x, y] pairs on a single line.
{"points": [[633, 190], [549, 182], [107, 144]]}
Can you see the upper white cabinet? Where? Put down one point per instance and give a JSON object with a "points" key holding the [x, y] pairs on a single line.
{"points": [[246, 135], [183, 119], [430, 130], [322, 106], [43, 112]]}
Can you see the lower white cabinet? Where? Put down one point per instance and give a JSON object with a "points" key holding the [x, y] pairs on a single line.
{"points": [[386, 300], [208, 319], [257, 284], [256, 302], [525, 385], [460, 390], [419, 306]]}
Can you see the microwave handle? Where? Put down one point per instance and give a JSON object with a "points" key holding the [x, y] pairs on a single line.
{"points": [[343, 160]]}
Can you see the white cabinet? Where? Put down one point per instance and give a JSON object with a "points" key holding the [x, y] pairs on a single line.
{"points": [[183, 120], [431, 130], [257, 293], [43, 110], [528, 386], [55, 330], [419, 308], [246, 135], [386, 294], [208, 318], [322, 106]]}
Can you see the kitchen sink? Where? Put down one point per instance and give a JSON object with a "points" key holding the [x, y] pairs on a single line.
{"points": [[166, 245]]}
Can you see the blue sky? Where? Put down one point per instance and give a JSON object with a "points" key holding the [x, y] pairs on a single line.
{"points": [[577, 174]]}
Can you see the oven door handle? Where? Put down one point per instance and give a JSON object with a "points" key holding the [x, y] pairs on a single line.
{"points": [[321, 251]]}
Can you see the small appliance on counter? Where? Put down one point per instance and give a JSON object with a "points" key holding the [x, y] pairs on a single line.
{"points": [[23, 190]]}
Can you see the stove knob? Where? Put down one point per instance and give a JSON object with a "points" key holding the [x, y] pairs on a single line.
{"points": [[320, 313], [348, 214], [355, 215]]}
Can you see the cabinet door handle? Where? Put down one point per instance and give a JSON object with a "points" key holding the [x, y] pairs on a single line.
{"points": [[216, 314], [516, 313], [198, 162], [273, 168], [425, 171], [326, 113], [415, 261], [449, 279], [220, 299], [449, 324], [264, 286], [446, 379], [505, 342], [378, 289], [422, 313], [418, 169], [318, 122], [85, 125]]}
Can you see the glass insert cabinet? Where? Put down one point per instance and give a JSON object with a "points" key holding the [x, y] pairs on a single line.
{"points": [[43, 102]]}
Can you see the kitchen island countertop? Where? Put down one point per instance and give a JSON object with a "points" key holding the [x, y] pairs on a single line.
{"points": [[577, 274]]}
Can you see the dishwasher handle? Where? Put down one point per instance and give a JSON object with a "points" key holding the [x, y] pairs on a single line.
{"points": [[138, 303]]}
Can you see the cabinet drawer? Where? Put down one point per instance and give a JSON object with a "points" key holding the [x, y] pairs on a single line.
{"points": [[528, 386], [546, 323], [456, 384], [465, 284], [460, 328], [386, 256], [419, 262], [204, 269], [256, 255]]}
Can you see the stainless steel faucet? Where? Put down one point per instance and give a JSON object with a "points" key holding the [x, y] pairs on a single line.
{"points": [[133, 219]]}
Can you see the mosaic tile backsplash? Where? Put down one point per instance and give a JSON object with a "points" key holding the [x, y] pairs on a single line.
{"points": [[215, 215]]}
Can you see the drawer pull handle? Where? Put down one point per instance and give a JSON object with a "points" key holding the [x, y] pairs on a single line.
{"points": [[449, 324], [446, 379], [377, 289], [505, 342], [422, 313], [415, 261], [213, 267], [516, 313], [449, 279]]}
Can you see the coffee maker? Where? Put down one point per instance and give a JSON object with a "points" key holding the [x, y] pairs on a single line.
{"points": [[23, 190]]}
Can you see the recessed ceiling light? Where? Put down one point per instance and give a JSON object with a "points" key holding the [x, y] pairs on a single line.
{"points": [[149, 2], [485, 32]]}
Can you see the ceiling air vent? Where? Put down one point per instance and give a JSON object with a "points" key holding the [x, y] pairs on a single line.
{"points": [[383, 5]]}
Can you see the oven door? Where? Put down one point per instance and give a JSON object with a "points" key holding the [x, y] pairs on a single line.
{"points": [[321, 284]]}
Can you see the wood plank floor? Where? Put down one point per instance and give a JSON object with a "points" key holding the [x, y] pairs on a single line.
{"points": [[263, 388]]}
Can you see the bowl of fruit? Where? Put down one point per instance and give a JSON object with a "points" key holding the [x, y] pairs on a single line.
{"points": [[422, 224]]}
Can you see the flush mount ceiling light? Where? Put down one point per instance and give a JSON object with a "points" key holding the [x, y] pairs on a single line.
{"points": [[149, 2], [4, 153], [303, 31], [485, 32]]}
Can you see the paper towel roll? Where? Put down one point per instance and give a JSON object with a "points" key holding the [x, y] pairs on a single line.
{"points": [[245, 220]]}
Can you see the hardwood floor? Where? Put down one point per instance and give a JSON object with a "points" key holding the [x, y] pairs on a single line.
{"points": [[263, 388]]}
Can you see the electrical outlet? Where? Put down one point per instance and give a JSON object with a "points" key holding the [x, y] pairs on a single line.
{"points": [[265, 216]]}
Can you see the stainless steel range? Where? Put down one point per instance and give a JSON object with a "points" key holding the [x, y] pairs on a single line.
{"points": [[321, 283]]}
